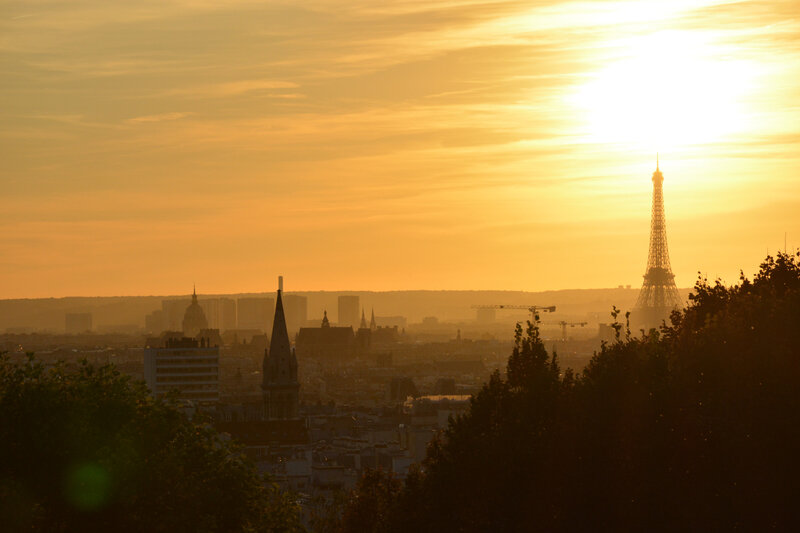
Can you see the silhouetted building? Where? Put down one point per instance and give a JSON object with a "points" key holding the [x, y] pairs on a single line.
{"points": [[173, 314], [194, 318], [430, 321], [255, 313], [362, 338], [211, 336], [606, 332], [220, 312], [281, 390], [296, 310], [155, 323], [348, 310], [370, 338], [326, 342], [381, 337], [400, 388], [186, 365], [77, 323]]}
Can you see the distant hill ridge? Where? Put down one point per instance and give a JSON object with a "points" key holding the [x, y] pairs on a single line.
{"points": [[450, 305]]}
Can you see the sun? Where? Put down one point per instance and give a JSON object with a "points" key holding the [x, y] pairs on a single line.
{"points": [[664, 91]]}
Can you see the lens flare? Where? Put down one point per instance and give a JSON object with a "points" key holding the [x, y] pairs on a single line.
{"points": [[88, 486]]}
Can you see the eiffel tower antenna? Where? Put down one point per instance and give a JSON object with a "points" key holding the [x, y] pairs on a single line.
{"points": [[659, 295]]}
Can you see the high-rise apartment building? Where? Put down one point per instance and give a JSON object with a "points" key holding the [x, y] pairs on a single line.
{"points": [[220, 312], [296, 311], [155, 323], [349, 309], [255, 313], [173, 313], [188, 366]]}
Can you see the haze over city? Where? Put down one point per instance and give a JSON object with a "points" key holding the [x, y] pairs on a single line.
{"points": [[400, 266], [399, 145]]}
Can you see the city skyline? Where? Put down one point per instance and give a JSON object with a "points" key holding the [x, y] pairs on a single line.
{"points": [[416, 145], [542, 265]]}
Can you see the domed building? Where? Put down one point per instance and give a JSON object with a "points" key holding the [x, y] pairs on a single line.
{"points": [[194, 320]]}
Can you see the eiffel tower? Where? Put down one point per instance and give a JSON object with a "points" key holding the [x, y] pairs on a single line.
{"points": [[659, 295]]}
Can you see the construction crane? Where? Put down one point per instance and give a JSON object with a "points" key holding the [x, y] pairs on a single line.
{"points": [[564, 325], [533, 309]]}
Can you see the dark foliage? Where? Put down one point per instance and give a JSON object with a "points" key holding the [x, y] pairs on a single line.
{"points": [[86, 449], [371, 505], [693, 427]]}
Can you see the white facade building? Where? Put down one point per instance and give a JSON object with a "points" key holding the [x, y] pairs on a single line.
{"points": [[188, 366]]}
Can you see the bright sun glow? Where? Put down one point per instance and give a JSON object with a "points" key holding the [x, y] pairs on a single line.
{"points": [[665, 91]]}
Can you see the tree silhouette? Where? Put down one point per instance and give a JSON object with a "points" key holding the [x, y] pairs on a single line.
{"points": [[87, 449], [695, 426]]}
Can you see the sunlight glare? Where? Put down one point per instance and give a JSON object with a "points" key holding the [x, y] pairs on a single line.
{"points": [[669, 90]]}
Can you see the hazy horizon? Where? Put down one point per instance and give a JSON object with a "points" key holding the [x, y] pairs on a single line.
{"points": [[200, 294], [447, 305]]}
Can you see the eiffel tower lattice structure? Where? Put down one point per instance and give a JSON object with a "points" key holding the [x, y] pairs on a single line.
{"points": [[659, 295]]}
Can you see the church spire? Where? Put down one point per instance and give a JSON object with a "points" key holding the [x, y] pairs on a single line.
{"points": [[279, 383], [372, 323], [363, 319], [279, 345], [325, 322]]}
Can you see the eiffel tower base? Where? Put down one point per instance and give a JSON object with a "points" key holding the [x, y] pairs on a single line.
{"points": [[647, 318]]}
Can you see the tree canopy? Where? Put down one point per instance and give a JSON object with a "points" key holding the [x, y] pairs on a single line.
{"points": [[85, 449], [694, 426]]}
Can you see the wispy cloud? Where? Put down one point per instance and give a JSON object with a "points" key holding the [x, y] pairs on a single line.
{"points": [[434, 118], [162, 117], [233, 88]]}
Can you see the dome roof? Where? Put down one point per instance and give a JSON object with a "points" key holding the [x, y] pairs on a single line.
{"points": [[194, 319]]}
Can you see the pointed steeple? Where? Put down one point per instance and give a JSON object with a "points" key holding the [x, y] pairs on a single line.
{"points": [[363, 319], [372, 323], [194, 292], [279, 362], [280, 386], [325, 322], [279, 342]]}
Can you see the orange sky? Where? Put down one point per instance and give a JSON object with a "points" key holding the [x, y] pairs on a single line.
{"points": [[390, 145]]}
